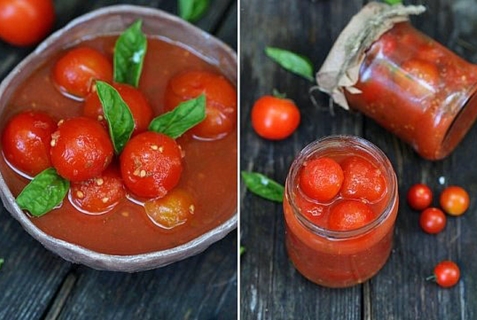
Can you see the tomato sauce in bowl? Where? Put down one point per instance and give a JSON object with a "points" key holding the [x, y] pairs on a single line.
{"points": [[125, 238]]}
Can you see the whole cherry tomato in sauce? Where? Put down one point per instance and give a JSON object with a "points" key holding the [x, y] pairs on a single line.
{"points": [[419, 196], [26, 141], [321, 178], [275, 118], [418, 77], [26, 22], [221, 101], [172, 210], [151, 164], [76, 71], [80, 149], [446, 274], [432, 220], [138, 105], [362, 180], [454, 200], [99, 194], [349, 215]]}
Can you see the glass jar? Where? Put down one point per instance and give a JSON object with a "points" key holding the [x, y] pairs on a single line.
{"points": [[417, 89], [339, 258]]}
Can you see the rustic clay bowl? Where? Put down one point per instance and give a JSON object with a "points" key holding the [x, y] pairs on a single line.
{"points": [[113, 20]]}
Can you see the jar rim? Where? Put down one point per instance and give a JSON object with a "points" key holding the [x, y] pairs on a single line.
{"points": [[357, 143]]}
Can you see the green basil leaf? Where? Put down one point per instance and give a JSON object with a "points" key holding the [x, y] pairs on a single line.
{"points": [[192, 10], [129, 53], [292, 62], [263, 186], [392, 2], [1, 262], [242, 250], [43, 193], [117, 113], [183, 117]]}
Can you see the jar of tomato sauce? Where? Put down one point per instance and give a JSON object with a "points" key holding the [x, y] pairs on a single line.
{"points": [[340, 236], [412, 86]]}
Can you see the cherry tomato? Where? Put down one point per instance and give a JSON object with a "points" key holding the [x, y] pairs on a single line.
{"points": [[321, 178], [446, 274], [80, 149], [26, 22], [362, 180], [454, 200], [76, 71], [419, 196], [174, 209], [349, 215], [151, 164], [138, 105], [221, 101], [315, 212], [26, 141], [275, 118], [432, 220], [418, 77], [100, 194]]}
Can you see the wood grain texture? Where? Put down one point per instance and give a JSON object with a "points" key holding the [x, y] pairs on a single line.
{"points": [[270, 287], [36, 284]]}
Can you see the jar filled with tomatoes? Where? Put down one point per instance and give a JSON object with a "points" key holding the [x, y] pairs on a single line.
{"points": [[340, 207], [404, 80]]}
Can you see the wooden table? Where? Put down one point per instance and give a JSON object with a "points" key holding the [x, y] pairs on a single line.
{"points": [[37, 284], [270, 287]]}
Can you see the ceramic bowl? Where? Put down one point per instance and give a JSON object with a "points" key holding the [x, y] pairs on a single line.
{"points": [[113, 20]]}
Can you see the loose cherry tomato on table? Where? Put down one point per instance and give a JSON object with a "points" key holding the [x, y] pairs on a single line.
{"points": [[138, 105], [446, 274], [221, 101], [454, 200], [174, 209], [76, 71], [432, 220], [26, 141], [151, 164], [80, 149], [349, 215], [99, 194], [275, 118], [25, 22], [321, 178], [419, 196]]}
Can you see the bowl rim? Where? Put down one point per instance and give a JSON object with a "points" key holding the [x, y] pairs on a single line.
{"points": [[79, 254]]}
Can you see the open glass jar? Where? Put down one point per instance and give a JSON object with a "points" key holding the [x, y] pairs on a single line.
{"points": [[415, 88], [341, 257]]}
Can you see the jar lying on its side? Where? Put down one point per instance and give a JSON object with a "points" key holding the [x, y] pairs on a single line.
{"points": [[346, 239]]}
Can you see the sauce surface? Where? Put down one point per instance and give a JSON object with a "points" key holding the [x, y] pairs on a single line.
{"points": [[209, 166]]}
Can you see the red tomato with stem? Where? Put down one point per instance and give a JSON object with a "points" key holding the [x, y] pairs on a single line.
{"points": [[275, 118], [419, 196], [151, 164], [432, 220], [446, 274], [99, 194], [77, 70], [80, 149], [140, 108], [350, 215], [321, 178], [221, 101], [26, 141], [454, 200], [172, 210], [26, 22]]}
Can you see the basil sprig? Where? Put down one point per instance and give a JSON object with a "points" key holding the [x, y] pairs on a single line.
{"points": [[129, 52], [43, 193], [292, 62], [185, 116], [1, 262], [192, 10], [117, 113], [393, 2], [263, 186]]}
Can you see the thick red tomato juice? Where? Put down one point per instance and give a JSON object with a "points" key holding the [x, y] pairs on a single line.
{"points": [[417, 89], [338, 258], [209, 166]]}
